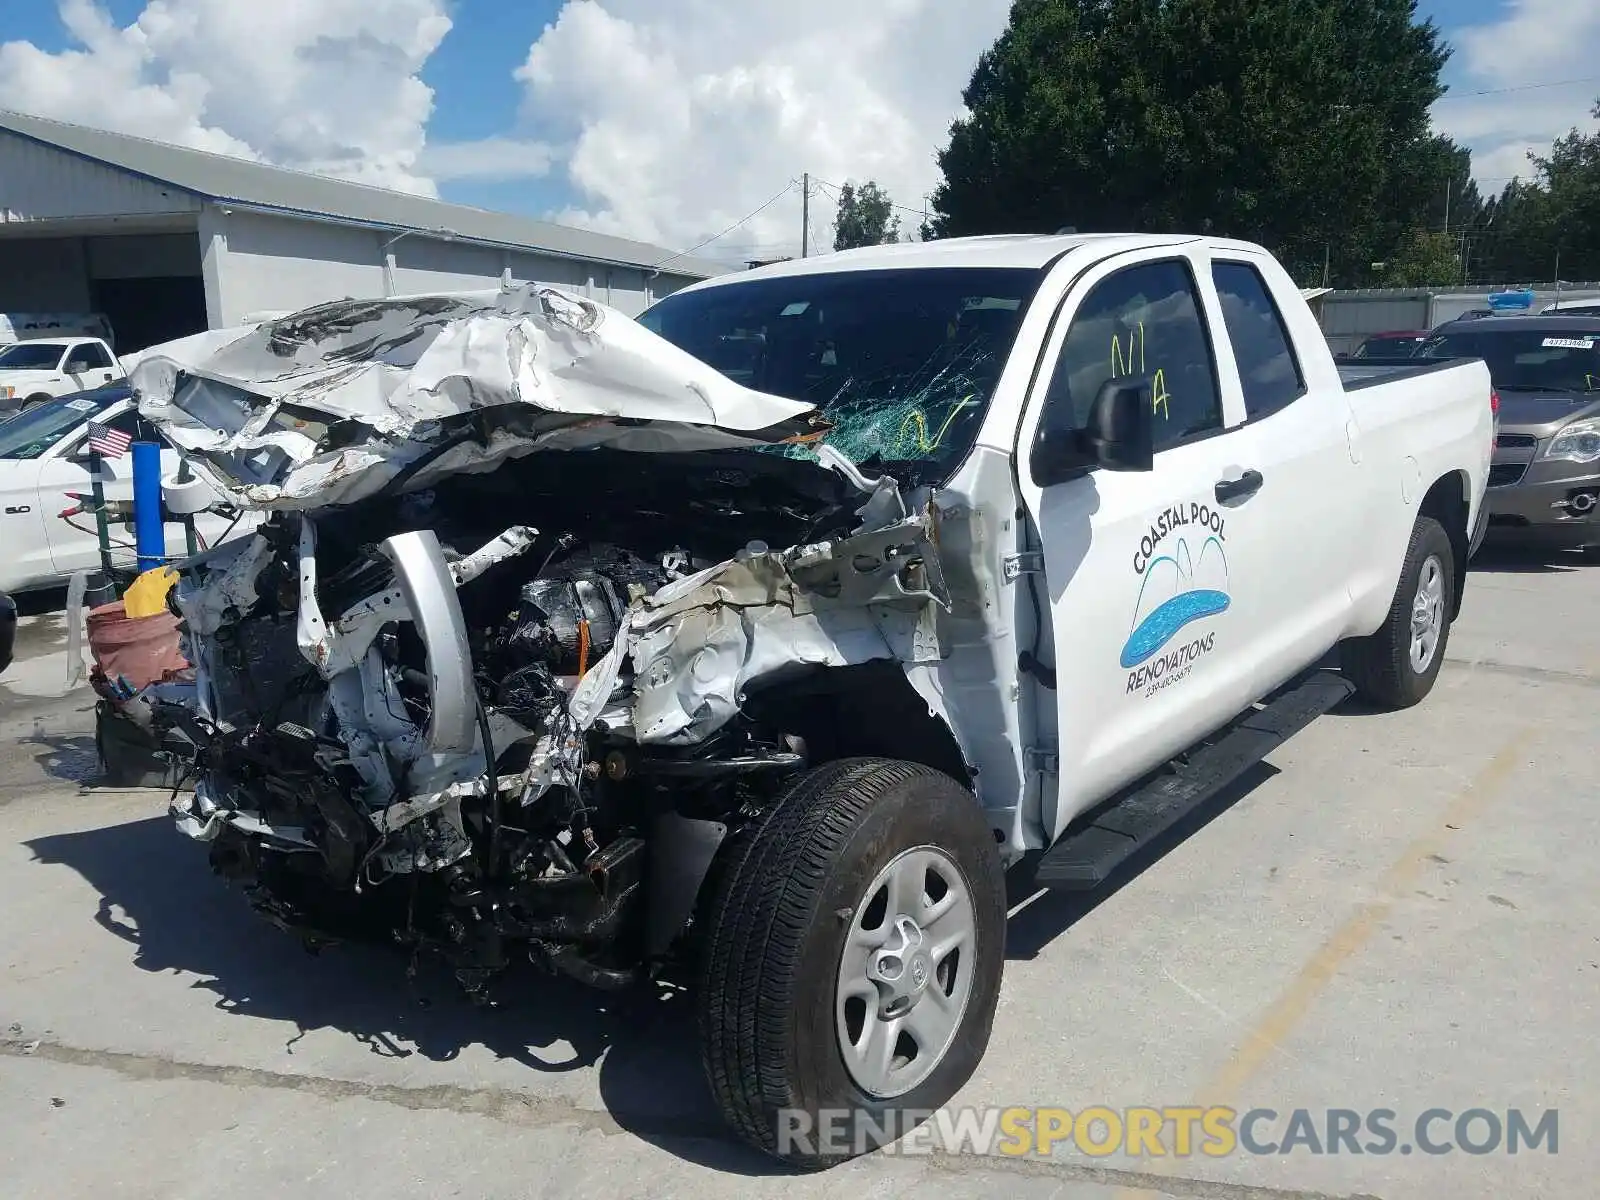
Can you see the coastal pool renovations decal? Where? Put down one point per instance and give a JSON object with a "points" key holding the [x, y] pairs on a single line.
{"points": [[1179, 586]]}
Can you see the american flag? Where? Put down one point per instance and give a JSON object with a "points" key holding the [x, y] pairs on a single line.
{"points": [[112, 443]]}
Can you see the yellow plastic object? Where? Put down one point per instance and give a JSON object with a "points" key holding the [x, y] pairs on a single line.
{"points": [[147, 595]]}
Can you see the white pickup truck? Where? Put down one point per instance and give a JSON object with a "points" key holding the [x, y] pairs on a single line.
{"points": [[519, 662], [34, 371]]}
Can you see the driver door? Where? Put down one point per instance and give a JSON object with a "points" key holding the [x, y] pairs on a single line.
{"points": [[1152, 647], [88, 366]]}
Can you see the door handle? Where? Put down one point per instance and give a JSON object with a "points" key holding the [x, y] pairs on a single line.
{"points": [[1242, 488]]}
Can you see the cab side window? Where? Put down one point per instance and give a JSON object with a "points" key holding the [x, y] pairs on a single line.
{"points": [[1141, 322], [87, 358], [1268, 372]]}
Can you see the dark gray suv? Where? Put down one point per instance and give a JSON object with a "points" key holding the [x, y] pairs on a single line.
{"points": [[1544, 485]]}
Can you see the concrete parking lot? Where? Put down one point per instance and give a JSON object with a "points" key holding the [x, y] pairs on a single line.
{"points": [[1395, 912]]}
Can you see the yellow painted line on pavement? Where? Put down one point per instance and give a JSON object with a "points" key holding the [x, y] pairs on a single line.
{"points": [[1275, 1025]]}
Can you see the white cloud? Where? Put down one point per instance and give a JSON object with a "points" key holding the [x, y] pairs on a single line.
{"points": [[330, 86], [1532, 42], [676, 118]]}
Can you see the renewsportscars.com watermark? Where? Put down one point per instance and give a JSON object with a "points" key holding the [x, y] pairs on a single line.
{"points": [[1178, 1132]]}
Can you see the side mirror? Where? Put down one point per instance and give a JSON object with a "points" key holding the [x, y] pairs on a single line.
{"points": [[1120, 436]]}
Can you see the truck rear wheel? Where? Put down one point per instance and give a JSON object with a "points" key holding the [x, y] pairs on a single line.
{"points": [[1396, 667], [855, 951]]}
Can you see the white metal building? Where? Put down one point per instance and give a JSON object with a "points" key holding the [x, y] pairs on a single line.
{"points": [[168, 241], [1350, 316]]}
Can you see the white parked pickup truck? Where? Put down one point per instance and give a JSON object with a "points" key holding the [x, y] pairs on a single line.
{"points": [[758, 638], [32, 372]]}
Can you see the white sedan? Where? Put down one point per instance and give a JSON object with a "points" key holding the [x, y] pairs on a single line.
{"points": [[44, 462]]}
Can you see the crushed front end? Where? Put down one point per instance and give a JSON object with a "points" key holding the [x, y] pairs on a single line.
{"points": [[414, 726], [513, 654]]}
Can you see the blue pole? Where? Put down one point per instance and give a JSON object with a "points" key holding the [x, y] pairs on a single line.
{"points": [[149, 535]]}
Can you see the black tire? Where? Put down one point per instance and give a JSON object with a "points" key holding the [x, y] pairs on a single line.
{"points": [[1380, 666], [776, 935]]}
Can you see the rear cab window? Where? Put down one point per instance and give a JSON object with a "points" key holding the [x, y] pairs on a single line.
{"points": [[1269, 372], [1143, 321]]}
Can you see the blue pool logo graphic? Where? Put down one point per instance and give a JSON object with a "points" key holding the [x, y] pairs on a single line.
{"points": [[1176, 592]]}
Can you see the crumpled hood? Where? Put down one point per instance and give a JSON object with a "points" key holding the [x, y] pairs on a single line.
{"points": [[335, 403]]}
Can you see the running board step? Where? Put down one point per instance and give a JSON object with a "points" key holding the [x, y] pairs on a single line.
{"points": [[1087, 855]]}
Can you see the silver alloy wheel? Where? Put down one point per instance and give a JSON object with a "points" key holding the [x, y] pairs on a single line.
{"points": [[906, 972], [1427, 614]]}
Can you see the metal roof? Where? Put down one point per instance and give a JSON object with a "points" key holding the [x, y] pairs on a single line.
{"points": [[295, 193]]}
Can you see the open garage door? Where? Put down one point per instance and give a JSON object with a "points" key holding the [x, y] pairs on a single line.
{"points": [[150, 285], [157, 309]]}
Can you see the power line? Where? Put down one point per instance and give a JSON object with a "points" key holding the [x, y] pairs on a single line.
{"points": [[787, 188], [1524, 87], [916, 212]]}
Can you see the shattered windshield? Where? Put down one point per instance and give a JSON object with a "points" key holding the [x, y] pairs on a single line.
{"points": [[902, 362]]}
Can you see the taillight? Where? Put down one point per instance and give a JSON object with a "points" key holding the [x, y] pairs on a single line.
{"points": [[1494, 402]]}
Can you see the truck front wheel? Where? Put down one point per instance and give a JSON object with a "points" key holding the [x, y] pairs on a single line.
{"points": [[1396, 667], [854, 960]]}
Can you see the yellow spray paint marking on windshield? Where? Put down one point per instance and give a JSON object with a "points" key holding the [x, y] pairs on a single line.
{"points": [[1121, 366], [917, 424], [1160, 398]]}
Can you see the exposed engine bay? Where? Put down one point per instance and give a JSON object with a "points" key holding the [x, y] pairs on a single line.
{"points": [[524, 708]]}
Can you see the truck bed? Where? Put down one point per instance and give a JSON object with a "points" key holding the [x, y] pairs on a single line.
{"points": [[1357, 373]]}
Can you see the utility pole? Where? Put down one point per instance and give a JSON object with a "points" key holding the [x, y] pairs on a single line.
{"points": [[1448, 187], [805, 215], [1327, 261]]}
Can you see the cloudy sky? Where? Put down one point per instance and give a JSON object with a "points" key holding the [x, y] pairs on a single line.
{"points": [[666, 120]]}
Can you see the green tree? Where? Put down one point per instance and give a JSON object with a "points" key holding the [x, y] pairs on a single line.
{"points": [[1553, 214], [1302, 124], [1424, 260], [866, 217]]}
